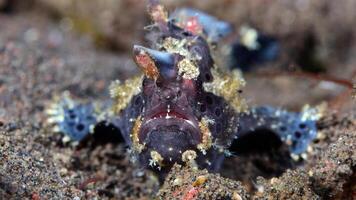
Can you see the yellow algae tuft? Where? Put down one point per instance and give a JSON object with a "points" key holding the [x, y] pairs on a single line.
{"points": [[189, 156], [206, 136], [122, 93], [173, 45], [228, 86], [187, 69], [136, 145], [156, 159]]}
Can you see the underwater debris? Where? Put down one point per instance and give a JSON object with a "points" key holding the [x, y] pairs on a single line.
{"points": [[191, 183], [253, 48]]}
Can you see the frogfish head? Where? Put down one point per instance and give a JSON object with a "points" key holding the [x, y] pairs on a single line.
{"points": [[172, 123]]}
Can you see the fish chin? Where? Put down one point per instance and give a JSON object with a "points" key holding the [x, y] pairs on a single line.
{"points": [[170, 140]]}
